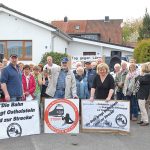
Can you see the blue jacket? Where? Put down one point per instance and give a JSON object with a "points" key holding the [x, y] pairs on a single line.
{"points": [[13, 80], [82, 87]]}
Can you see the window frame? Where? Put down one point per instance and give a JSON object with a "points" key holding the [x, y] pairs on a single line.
{"points": [[24, 56]]}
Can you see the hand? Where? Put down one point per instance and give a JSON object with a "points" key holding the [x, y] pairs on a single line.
{"points": [[7, 97], [107, 99], [120, 84], [91, 99], [75, 97], [27, 93], [23, 97]]}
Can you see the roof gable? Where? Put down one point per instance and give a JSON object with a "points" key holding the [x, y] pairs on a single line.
{"points": [[35, 21], [109, 31]]}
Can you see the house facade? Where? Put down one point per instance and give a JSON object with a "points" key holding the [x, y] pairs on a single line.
{"points": [[30, 38]]}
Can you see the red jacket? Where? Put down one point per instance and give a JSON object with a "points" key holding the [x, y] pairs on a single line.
{"points": [[32, 85]]}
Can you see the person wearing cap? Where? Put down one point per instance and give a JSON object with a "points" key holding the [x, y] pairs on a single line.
{"points": [[11, 80], [62, 83], [90, 74]]}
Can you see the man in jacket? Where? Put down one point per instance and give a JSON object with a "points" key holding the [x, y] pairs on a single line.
{"points": [[62, 83], [11, 80], [120, 79]]}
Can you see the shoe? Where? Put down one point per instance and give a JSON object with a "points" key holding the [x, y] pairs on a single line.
{"points": [[134, 119], [140, 122], [144, 124]]}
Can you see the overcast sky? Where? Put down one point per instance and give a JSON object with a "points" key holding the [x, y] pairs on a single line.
{"points": [[48, 10]]}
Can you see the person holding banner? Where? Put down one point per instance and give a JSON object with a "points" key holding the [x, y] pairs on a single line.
{"points": [[29, 84], [103, 84], [62, 83], [11, 80], [2, 97], [90, 74]]}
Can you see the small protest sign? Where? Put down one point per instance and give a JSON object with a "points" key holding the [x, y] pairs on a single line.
{"points": [[61, 116], [19, 119]]}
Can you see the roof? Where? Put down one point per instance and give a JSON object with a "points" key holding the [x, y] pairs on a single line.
{"points": [[54, 29], [104, 44], [108, 31]]}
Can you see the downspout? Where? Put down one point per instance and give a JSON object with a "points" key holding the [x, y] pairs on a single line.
{"points": [[52, 41]]}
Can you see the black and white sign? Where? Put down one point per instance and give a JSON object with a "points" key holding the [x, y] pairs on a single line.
{"points": [[61, 116], [112, 115], [19, 119]]}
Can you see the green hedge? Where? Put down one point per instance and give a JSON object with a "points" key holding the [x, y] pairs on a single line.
{"points": [[56, 57], [142, 51]]}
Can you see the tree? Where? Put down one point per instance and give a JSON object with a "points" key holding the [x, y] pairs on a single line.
{"points": [[130, 30], [56, 57], [142, 51], [144, 30]]}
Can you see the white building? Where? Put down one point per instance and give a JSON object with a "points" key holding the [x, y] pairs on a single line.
{"points": [[30, 38]]}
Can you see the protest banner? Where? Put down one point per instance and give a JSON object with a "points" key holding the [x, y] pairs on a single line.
{"points": [[82, 59], [113, 116], [61, 116], [19, 119]]}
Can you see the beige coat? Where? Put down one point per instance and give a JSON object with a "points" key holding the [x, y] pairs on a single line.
{"points": [[70, 89]]}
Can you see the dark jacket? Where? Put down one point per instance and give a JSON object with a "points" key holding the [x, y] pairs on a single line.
{"points": [[90, 74], [144, 89]]}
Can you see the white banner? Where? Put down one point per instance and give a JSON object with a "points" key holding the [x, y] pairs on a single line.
{"points": [[84, 58], [19, 119], [61, 116], [112, 115]]}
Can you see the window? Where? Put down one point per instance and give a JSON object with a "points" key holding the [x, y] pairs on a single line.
{"points": [[22, 48], [89, 53], [77, 27], [94, 37], [1, 47]]}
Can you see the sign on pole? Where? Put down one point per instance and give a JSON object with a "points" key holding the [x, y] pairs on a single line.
{"points": [[105, 116], [61, 116], [19, 119]]}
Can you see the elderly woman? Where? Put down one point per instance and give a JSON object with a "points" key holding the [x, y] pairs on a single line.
{"points": [[28, 83], [117, 68], [103, 84], [143, 93], [81, 83], [129, 91]]}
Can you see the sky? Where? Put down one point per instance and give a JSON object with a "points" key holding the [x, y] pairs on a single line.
{"points": [[48, 10]]}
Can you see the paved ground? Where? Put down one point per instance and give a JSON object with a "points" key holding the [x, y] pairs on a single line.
{"points": [[138, 139]]}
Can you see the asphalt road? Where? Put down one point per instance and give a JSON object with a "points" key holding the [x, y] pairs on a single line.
{"points": [[138, 139]]}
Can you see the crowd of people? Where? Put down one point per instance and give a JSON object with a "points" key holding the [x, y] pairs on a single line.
{"points": [[93, 80]]}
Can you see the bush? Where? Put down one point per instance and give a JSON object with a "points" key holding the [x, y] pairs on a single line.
{"points": [[142, 51], [56, 57]]}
